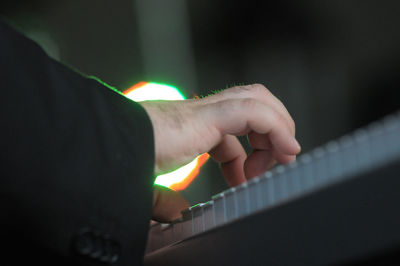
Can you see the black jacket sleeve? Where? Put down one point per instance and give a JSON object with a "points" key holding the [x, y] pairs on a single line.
{"points": [[77, 162]]}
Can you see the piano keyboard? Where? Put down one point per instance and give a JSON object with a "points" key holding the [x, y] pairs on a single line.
{"points": [[347, 158]]}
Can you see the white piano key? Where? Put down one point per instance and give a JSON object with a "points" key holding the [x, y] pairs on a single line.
{"points": [[333, 158], [391, 127], [186, 228], [254, 194], [177, 230], [219, 208], [242, 199], [187, 225], [280, 183], [159, 237], [154, 240], [267, 187], [377, 143], [320, 166], [197, 221], [209, 219], [362, 150], [167, 234], [230, 204], [293, 178], [306, 173], [348, 159]]}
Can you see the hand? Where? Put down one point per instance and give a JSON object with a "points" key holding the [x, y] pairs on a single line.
{"points": [[185, 129]]}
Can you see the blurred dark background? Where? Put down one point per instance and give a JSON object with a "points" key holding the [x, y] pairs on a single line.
{"points": [[333, 63]]}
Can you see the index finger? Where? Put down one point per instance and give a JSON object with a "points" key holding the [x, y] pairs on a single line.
{"points": [[240, 116], [257, 92]]}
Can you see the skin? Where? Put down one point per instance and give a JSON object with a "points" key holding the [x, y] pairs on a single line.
{"points": [[186, 129]]}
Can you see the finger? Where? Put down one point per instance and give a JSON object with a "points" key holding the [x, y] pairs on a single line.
{"points": [[262, 142], [243, 115], [254, 91], [259, 141], [283, 158], [167, 204], [258, 162], [230, 153]]}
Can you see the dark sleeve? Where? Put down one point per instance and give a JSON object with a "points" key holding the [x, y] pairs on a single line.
{"points": [[77, 162]]}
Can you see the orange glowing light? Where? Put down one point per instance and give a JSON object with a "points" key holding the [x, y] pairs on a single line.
{"points": [[190, 177], [137, 85]]}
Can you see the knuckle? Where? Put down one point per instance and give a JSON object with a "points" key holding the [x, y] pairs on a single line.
{"points": [[281, 117], [239, 90], [225, 106], [248, 104], [257, 86], [279, 120], [260, 88]]}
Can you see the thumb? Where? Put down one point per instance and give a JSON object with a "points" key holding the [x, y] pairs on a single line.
{"points": [[167, 204]]}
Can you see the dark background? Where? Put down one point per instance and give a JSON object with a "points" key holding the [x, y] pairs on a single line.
{"points": [[333, 63]]}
